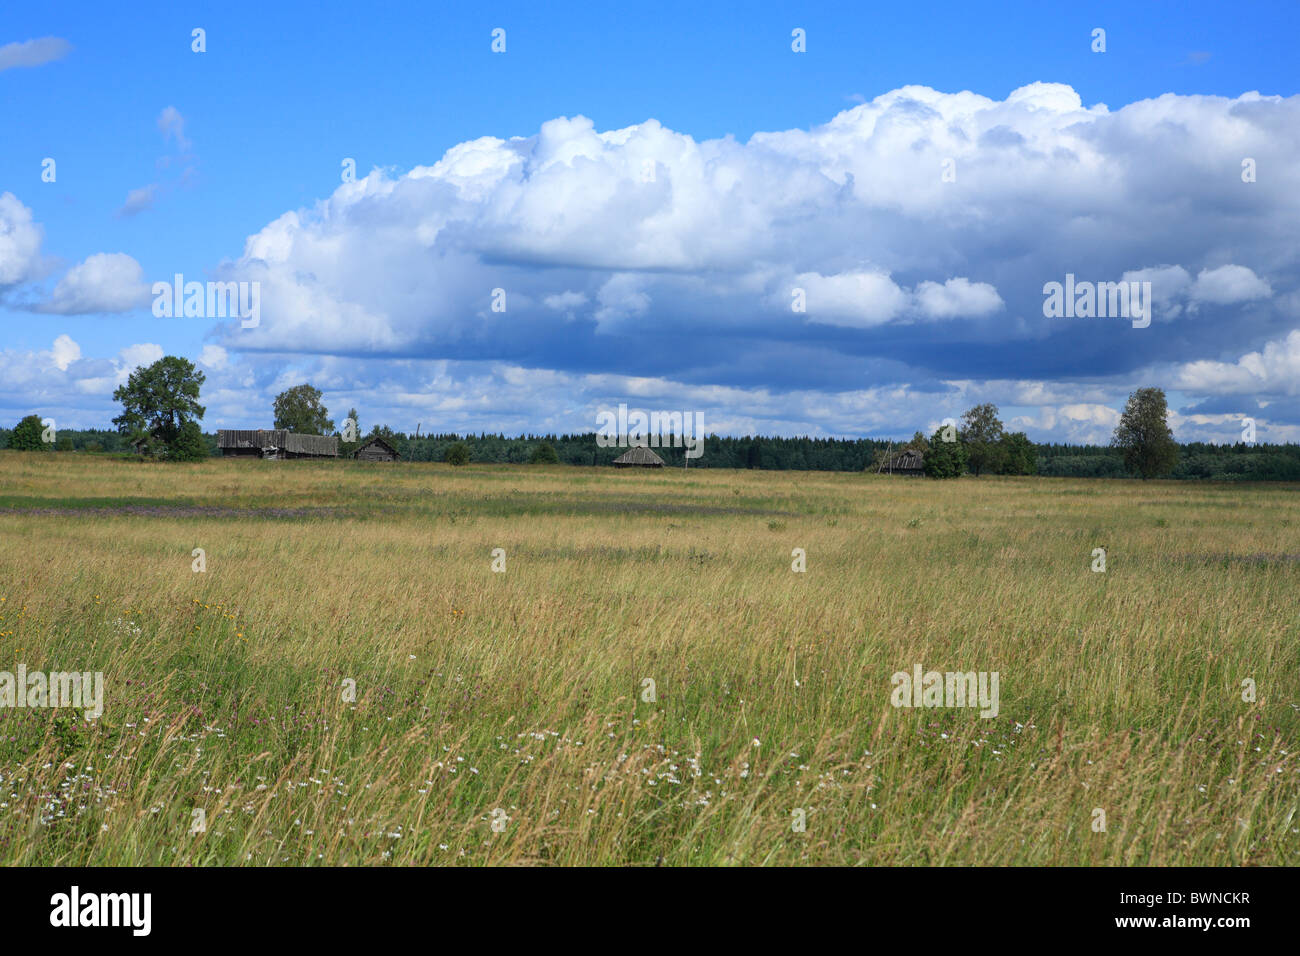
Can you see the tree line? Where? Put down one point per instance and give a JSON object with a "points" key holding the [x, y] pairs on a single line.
{"points": [[161, 412]]}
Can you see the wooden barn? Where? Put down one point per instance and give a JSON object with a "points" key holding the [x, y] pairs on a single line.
{"points": [[275, 443], [376, 450], [638, 457], [909, 462]]}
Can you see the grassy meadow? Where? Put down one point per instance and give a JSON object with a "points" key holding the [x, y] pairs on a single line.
{"points": [[505, 718]]}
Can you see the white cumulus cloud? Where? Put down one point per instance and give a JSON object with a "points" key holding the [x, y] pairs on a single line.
{"points": [[104, 282], [956, 298], [65, 352], [1274, 369], [20, 241], [1229, 284]]}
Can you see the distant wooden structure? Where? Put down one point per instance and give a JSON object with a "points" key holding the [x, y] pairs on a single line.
{"points": [[275, 443], [376, 450], [638, 457], [907, 462]]}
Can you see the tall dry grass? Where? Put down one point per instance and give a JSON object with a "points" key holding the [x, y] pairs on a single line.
{"points": [[517, 697]]}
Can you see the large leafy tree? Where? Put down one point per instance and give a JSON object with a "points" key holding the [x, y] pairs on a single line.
{"points": [[981, 433], [26, 435], [159, 400], [944, 459], [300, 410], [1144, 436]]}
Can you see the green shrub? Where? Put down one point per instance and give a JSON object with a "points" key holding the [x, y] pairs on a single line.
{"points": [[27, 435], [544, 454], [189, 445]]}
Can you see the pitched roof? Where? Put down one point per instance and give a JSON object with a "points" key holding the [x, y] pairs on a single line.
{"points": [[909, 460], [251, 437], [311, 444], [375, 441], [638, 455]]}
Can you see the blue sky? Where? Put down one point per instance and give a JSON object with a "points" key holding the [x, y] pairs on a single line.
{"points": [[772, 170]]}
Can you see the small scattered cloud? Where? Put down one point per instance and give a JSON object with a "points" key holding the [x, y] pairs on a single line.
{"points": [[33, 52], [1167, 282], [565, 301], [172, 126], [213, 356], [621, 298], [135, 356], [138, 200]]}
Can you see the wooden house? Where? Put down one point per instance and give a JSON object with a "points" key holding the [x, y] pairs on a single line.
{"points": [[275, 443], [376, 450], [638, 457], [908, 462]]}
